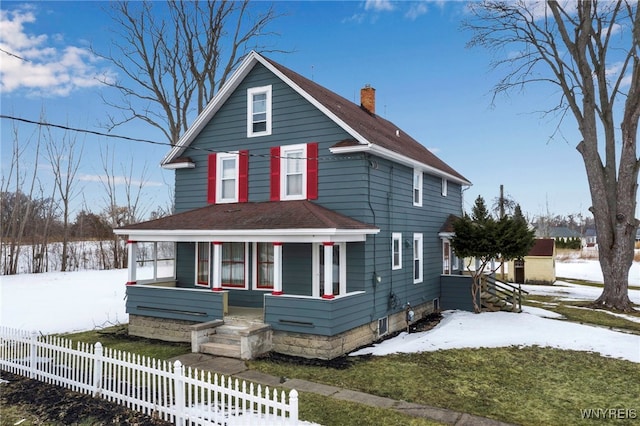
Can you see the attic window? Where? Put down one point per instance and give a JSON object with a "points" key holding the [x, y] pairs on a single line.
{"points": [[259, 111]]}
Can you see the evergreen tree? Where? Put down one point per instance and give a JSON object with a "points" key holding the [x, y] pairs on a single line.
{"points": [[481, 237]]}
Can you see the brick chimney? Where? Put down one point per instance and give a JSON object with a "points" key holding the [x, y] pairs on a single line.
{"points": [[368, 99]]}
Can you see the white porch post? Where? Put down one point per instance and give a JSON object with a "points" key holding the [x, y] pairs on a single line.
{"points": [[277, 269], [216, 278], [328, 271], [131, 262]]}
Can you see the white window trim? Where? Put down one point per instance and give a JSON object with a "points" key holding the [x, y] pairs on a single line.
{"points": [[219, 159], [418, 238], [396, 236], [445, 187], [254, 91], [417, 186], [208, 264], [318, 287], [154, 259], [254, 268], [446, 242], [283, 172], [247, 261]]}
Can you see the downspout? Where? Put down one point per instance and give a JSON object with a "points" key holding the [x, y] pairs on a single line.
{"points": [[374, 278]]}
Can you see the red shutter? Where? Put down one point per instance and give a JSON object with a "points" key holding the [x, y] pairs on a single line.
{"points": [[312, 171], [243, 176], [275, 173], [211, 179]]}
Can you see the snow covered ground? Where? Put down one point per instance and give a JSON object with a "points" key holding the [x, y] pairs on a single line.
{"points": [[74, 301]]}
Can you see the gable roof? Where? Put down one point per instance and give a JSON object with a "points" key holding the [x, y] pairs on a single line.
{"points": [[271, 220], [370, 132]]}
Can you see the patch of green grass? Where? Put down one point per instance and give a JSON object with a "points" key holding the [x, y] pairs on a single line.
{"points": [[574, 312], [118, 338], [589, 283], [528, 386]]}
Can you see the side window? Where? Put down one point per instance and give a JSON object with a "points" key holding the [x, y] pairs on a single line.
{"points": [[259, 111], [417, 258], [445, 185], [417, 188], [446, 257], [396, 250]]}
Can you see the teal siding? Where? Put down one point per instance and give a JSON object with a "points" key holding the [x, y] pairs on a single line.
{"points": [[182, 304], [455, 292], [185, 264], [294, 121], [296, 269], [364, 187], [317, 316]]}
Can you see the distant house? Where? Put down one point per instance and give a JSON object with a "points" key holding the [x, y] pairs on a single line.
{"points": [[306, 224], [537, 267], [560, 233], [590, 237]]}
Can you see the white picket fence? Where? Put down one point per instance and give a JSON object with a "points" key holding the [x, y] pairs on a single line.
{"points": [[184, 396]]}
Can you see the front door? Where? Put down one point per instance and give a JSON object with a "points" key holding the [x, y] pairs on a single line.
{"points": [[518, 266]]}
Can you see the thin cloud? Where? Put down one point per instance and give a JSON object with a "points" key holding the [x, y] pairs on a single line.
{"points": [[416, 10], [379, 5], [36, 63], [118, 180]]}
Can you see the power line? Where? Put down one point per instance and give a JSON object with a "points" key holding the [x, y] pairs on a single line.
{"points": [[128, 138], [14, 55]]}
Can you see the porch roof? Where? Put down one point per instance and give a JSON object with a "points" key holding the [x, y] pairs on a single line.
{"points": [[282, 221]]}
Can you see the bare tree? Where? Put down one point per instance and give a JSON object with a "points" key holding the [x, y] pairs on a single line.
{"points": [[590, 51], [65, 157], [116, 214], [174, 60], [14, 224]]}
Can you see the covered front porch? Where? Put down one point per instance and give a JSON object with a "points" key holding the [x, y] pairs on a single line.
{"points": [[292, 265]]}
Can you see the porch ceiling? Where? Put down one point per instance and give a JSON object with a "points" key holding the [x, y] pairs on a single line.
{"points": [[288, 221]]}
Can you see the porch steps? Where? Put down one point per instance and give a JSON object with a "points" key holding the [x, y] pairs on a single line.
{"points": [[238, 338]]}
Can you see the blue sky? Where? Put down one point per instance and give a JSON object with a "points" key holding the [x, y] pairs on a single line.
{"points": [[413, 53]]}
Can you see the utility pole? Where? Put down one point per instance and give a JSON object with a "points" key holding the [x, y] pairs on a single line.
{"points": [[502, 216]]}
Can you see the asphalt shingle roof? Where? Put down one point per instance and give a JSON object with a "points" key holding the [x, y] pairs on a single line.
{"points": [[246, 216]]}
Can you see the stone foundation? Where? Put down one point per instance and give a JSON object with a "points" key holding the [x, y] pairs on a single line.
{"points": [[296, 344], [169, 330], [329, 347]]}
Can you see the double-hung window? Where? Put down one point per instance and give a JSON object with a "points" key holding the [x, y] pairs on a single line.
{"points": [[338, 269], [228, 181], [259, 111], [417, 258], [228, 177], [396, 250], [417, 188], [294, 172], [445, 184]]}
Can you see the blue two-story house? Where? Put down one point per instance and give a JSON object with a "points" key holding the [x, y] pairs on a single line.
{"points": [[305, 224]]}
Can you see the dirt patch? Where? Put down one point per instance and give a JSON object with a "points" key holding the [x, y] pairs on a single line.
{"points": [[424, 324], [50, 404]]}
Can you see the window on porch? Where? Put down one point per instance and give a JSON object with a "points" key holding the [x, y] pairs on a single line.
{"points": [[234, 265], [202, 267], [155, 260], [264, 266]]}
